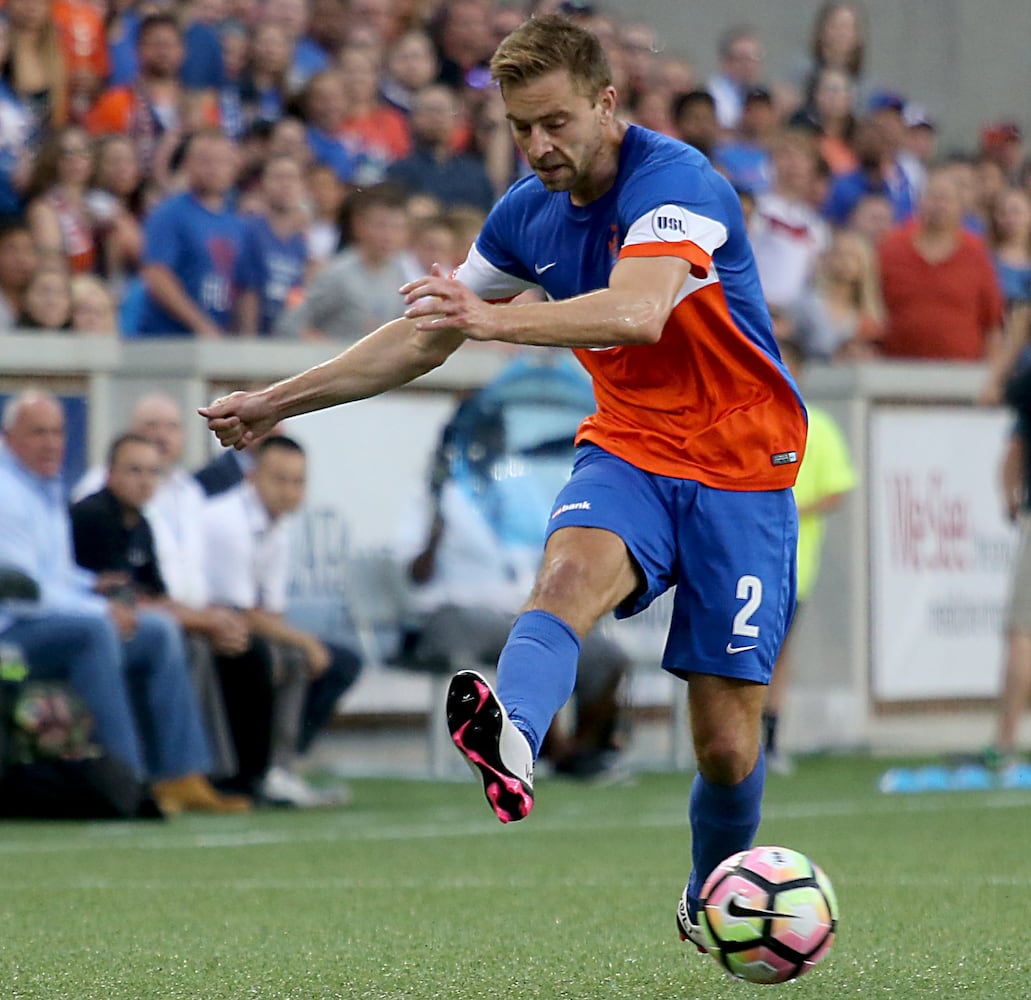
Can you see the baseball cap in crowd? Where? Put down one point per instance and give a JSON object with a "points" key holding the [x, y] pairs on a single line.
{"points": [[999, 134], [577, 8], [478, 77], [916, 116], [886, 100]]}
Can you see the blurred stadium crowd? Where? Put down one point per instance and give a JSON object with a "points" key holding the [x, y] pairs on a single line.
{"points": [[239, 167]]}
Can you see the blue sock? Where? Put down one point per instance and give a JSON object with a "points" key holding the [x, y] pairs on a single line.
{"points": [[536, 672], [724, 819]]}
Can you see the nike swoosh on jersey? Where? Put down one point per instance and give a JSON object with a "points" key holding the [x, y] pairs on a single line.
{"points": [[738, 649], [547, 267]]}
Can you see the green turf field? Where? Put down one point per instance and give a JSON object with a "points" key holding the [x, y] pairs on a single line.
{"points": [[415, 892]]}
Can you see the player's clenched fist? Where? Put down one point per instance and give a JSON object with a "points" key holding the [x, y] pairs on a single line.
{"points": [[239, 419]]}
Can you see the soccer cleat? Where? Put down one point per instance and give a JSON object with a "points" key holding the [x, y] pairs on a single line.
{"points": [[491, 745], [688, 929]]}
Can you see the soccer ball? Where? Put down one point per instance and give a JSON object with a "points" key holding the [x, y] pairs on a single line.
{"points": [[770, 914]]}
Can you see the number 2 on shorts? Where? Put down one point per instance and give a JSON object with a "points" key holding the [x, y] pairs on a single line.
{"points": [[749, 590]]}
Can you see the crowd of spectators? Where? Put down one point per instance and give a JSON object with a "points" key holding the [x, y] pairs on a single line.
{"points": [[162, 600], [207, 160], [127, 662]]}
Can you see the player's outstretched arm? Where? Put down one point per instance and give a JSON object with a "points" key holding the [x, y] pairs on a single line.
{"points": [[389, 357], [632, 310]]}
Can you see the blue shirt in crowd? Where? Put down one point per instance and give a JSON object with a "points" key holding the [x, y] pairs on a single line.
{"points": [[121, 52], [1014, 281], [270, 266], [847, 189], [202, 248], [329, 150], [15, 132], [202, 65], [457, 180], [37, 539], [747, 165], [309, 58]]}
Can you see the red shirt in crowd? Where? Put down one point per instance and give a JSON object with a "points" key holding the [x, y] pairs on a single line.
{"points": [[939, 310]]}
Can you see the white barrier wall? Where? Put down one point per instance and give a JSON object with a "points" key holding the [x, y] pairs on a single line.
{"points": [[369, 460]]}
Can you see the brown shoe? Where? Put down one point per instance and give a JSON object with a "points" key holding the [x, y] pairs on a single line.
{"points": [[194, 793]]}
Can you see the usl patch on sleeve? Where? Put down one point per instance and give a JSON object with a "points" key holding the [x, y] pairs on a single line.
{"points": [[669, 223], [784, 458]]}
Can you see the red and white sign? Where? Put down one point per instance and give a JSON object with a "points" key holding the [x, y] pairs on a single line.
{"points": [[941, 552]]}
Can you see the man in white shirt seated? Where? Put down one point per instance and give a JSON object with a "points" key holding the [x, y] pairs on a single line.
{"points": [[471, 568], [246, 549], [218, 640]]}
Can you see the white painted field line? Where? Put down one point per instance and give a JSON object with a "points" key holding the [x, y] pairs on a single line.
{"points": [[346, 827], [434, 881]]}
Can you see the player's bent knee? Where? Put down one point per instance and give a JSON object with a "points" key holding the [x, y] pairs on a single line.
{"points": [[576, 608], [569, 586], [726, 760], [561, 579]]}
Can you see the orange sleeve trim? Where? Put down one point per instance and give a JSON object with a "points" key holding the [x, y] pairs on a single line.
{"points": [[684, 249]]}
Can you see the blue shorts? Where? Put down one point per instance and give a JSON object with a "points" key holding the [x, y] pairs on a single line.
{"points": [[730, 554]]}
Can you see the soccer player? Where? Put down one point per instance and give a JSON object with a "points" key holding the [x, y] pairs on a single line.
{"points": [[683, 475]]}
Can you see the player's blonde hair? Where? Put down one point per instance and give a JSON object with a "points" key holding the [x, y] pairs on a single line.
{"points": [[545, 44]]}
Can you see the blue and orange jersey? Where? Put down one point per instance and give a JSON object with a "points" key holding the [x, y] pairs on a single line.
{"points": [[711, 401]]}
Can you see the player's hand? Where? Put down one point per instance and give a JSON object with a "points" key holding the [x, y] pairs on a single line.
{"points": [[239, 419], [437, 302]]}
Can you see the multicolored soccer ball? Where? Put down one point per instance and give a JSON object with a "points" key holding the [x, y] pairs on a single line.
{"points": [[770, 914]]}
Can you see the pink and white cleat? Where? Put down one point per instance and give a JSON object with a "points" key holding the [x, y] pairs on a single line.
{"points": [[491, 745]]}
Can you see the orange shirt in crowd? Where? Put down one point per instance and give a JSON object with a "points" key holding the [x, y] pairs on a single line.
{"points": [[115, 110], [837, 154], [112, 112], [384, 130], [83, 39]]}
